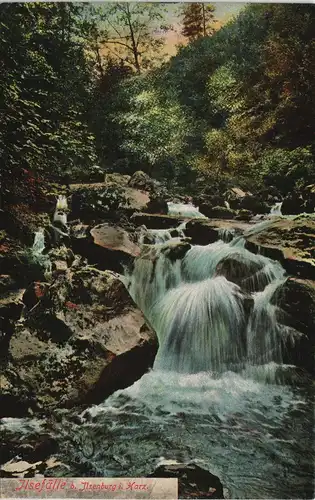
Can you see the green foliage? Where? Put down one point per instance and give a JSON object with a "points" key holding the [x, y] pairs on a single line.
{"points": [[45, 81], [288, 170]]}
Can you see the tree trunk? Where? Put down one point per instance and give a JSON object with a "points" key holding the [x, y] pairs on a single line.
{"points": [[204, 19], [133, 42]]}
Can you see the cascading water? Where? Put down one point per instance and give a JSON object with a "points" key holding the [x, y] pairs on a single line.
{"points": [[184, 210], [203, 320], [60, 214], [226, 234], [39, 242], [37, 251], [276, 209], [156, 236], [257, 437], [200, 326]]}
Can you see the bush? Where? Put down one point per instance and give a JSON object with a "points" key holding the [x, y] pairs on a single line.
{"points": [[288, 170]]}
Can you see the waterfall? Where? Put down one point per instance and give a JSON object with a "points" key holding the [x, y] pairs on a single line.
{"points": [[62, 203], [36, 253], [60, 214], [39, 243], [264, 332], [212, 310], [184, 210], [276, 209], [199, 326]]}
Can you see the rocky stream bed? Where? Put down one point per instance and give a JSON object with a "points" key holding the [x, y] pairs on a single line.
{"points": [[159, 340]]}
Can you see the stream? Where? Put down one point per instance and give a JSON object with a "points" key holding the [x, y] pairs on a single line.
{"points": [[218, 395]]}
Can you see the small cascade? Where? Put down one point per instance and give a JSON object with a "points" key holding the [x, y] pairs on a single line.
{"points": [[226, 234], [60, 219], [152, 276], [276, 209], [199, 326], [37, 254], [39, 243], [158, 236], [263, 332], [184, 210], [226, 203], [212, 309], [60, 214]]}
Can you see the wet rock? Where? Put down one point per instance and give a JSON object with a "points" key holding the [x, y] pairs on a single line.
{"points": [[114, 238], [193, 481], [157, 221], [245, 215], [204, 232], [217, 212], [290, 241], [112, 247], [201, 233], [105, 245], [293, 204], [296, 303], [245, 273], [254, 205], [209, 201], [83, 341], [234, 197], [156, 206], [176, 251]]}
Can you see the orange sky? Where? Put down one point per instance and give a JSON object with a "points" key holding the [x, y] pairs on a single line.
{"points": [[224, 11]]}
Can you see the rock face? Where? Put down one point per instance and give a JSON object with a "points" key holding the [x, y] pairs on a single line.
{"points": [[291, 241], [204, 232], [108, 246], [193, 481], [296, 303], [80, 341], [243, 272]]}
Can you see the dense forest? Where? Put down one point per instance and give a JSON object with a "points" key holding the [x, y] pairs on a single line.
{"points": [[234, 106]]}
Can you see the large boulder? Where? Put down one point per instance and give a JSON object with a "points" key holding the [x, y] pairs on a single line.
{"points": [[217, 212], [193, 481], [293, 204], [290, 241], [296, 311], [108, 246], [157, 205], [204, 232], [82, 340], [254, 204]]}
